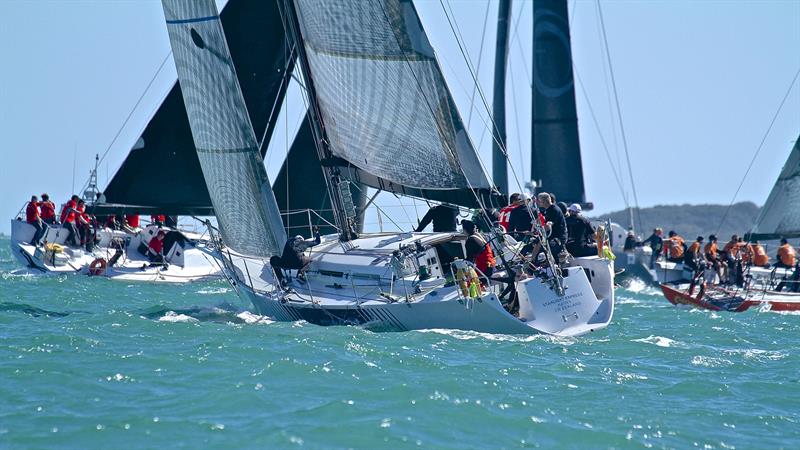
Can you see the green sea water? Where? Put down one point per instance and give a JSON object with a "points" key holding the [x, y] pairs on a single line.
{"points": [[93, 363]]}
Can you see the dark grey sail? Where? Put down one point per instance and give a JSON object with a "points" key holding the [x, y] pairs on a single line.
{"points": [[161, 174], [555, 148], [300, 185], [780, 216], [385, 109], [226, 144]]}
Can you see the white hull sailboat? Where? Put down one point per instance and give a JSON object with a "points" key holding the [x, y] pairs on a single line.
{"points": [[190, 260], [405, 137]]}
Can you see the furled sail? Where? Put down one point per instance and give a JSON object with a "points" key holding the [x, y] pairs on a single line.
{"points": [[385, 108], [555, 149], [223, 135], [780, 216], [161, 174]]}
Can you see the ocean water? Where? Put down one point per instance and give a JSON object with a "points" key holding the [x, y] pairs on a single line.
{"points": [[92, 363]]}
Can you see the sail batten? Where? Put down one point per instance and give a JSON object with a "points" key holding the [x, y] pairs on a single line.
{"points": [[383, 102], [222, 131], [780, 216]]}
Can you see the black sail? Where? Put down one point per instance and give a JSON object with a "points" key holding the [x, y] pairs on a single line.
{"points": [[162, 172], [555, 148]]}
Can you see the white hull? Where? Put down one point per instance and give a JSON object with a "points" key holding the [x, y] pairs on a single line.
{"points": [[338, 293], [195, 262]]}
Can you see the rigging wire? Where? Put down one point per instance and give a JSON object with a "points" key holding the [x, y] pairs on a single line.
{"points": [[480, 58], [758, 150], [619, 114]]}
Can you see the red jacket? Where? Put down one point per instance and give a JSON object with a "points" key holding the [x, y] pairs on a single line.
{"points": [[48, 210], [32, 212], [156, 245], [68, 213]]}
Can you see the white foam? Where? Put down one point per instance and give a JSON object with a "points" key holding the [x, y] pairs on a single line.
{"points": [[710, 361], [659, 341], [467, 335], [172, 316], [249, 317], [213, 291]]}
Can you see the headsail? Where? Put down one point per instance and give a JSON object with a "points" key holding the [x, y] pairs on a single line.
{"points": [[175, 185], [555, 148], [780, 216], [384, 104], [223, 135]]}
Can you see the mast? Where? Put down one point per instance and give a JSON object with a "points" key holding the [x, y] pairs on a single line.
{"points": [[499, 167], [337, 187]]}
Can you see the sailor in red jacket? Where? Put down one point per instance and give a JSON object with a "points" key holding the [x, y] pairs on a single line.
{"points": [[48, 209], [155, 249], [33, 217], [68, 214]]}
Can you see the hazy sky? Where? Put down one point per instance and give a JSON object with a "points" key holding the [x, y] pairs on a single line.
{"points": [[698, 83]]}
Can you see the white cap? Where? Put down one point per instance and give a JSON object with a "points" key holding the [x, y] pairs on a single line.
{"points": [[526, 196], [574, 208]]}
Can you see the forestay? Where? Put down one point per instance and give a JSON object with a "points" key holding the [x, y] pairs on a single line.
{"points": [[223, 134], [780, 216], [384, 104]]}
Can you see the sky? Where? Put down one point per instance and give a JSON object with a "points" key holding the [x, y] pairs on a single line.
{"points": [[698, 84]]}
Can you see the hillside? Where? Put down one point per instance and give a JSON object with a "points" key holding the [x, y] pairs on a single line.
{"points": [[691, 221]]}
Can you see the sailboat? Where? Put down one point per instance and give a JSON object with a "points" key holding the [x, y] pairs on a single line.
{"points": [[777, 288], [382, 116]]}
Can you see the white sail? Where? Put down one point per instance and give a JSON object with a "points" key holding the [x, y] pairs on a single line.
{"points": [[223, 135], [780, 215]]}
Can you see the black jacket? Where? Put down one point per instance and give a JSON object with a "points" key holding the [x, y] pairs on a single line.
{"points": [[444, 219]]}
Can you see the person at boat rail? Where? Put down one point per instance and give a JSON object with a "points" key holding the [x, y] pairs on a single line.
{"points": [[67, 218], [731, 250], [520, 221], [479, 251], [745, 251], [656, 243], [674, 247], [711, 252], [786, 256], [555, 223], [760, 257], [158, 219], [48, 209], [443, 216], [155, 248], [580, 233], [83, 222], [693, 257], [33, 217], [630, 241], [504, 216], [294, 257], [132, 220]]}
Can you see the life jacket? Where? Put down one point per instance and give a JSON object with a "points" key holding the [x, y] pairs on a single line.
{"points": [[674, 247], [732, 249], [68, 213], [48, 209], [485, 259], [133, 220], [694, 248], [505, 216], [747, 253], [760, 257], [711, 251], [786, 254], [32, 212]]}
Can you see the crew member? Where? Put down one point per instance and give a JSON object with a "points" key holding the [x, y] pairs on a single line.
{"points": [[443, 216], [693, 255], [48, 210], [68, 216], [478, 250], [132, 220], [580, 233], [555, 224], [630, 241], [786, 255], [33, 217], [711, 252], [82, 221], [520, 220], [760, 257], [674, 247], [158, 219], [731, 250], [155, 248], [504, 216], [294, 256], [656, 243]]}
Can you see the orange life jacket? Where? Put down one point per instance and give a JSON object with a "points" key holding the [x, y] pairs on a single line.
{"points": [[485, 259], [786, 254], [760, 257], [711, 250], [674, 247]]}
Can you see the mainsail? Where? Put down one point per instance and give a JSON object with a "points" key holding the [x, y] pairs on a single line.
{"points": [[384, 106], [161, 174], [223, 135], [555, 149], [780, 216]]}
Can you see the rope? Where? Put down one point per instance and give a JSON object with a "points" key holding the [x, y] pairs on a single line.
{"points": [[619, 113], [758, 150]]}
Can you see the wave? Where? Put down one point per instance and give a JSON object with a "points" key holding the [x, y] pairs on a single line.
{"points": [[223, 313], [31, 310], [660, 341]]}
